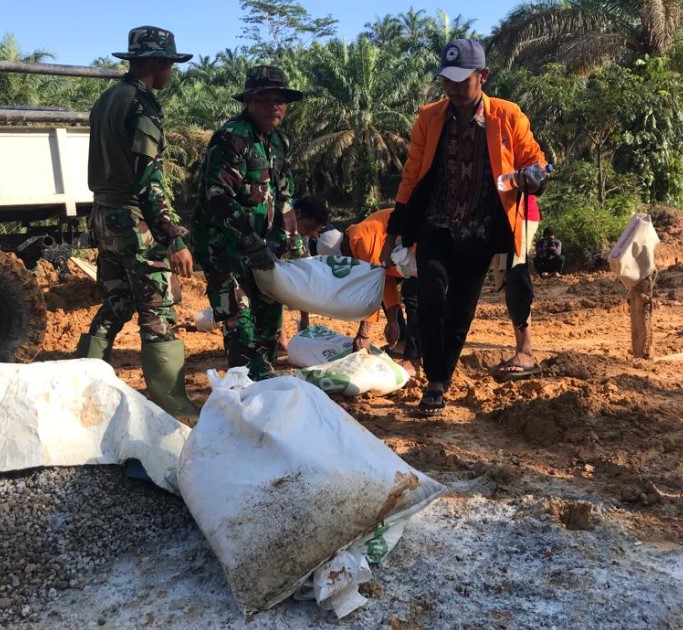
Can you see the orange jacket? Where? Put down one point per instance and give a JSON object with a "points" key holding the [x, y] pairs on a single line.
{"points": [[510, 143], [366, 240]]}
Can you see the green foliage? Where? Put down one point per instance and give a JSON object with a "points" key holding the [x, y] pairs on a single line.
{"points": [[274, 25], [588, 228]]}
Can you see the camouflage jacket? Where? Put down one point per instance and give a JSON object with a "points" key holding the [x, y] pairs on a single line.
{"points": [[246, 186], [125, 164]]}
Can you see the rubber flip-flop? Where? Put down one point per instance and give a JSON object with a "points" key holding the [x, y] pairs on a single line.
{"points": [[432, 403], [523, 371]]}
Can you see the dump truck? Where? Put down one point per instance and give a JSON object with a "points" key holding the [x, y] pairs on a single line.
{"points": [[44, 201]]}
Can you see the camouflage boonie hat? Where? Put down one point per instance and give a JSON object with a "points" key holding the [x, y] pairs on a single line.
{"points": [[151, 41], [262, 78]]}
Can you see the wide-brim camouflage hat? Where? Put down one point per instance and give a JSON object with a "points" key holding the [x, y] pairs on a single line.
{"points": [[262, 78], [152, 41]]}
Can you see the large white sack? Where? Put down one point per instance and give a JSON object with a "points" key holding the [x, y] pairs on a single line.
{"points": [[357, 373], [75, 412], [633, 256], [318, 344], [279, 478], [334, 286]]}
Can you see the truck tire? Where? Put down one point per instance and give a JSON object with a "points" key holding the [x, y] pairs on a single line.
{"points": [[23, 315]]}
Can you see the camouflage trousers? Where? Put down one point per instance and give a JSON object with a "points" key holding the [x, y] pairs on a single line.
{"points": [[134, 274], [251, 322]]}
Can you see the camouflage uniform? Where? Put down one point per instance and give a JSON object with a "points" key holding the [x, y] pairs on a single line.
{"points": [[130, 220], [246, 189]]}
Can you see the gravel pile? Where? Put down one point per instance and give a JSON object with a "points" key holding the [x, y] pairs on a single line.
{"points": [[60, 524], [88, 549]]}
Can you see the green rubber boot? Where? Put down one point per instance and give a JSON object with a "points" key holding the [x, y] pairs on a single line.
{"points": [[163, 366], [91, 347]]}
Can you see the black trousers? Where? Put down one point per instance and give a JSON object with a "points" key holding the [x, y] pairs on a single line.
{"points": [[448, 291]]}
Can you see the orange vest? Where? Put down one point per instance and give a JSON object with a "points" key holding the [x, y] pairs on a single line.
{"points": [[510, 143], [366, 240]]}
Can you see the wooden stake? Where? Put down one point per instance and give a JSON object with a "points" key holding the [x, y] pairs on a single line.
{"points": [[640, 300]]}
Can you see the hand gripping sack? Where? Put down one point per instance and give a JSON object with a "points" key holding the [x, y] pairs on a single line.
{"points": [[357, 373], [279, 478], [633, 256], [335, 286]]}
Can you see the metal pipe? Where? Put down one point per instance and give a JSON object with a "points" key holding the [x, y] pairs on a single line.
{"points": [[41, 115], [62, 70]]}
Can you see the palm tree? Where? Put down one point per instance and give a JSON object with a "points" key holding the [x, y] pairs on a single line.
{"points": [[384, 31], [584, 34], [358, 115], [20, 89]]}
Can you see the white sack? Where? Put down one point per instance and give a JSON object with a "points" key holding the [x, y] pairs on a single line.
{"points": [[335, 286], [633, 256], [204, 320], [279, 478], [405, 261], [357, 373], [317, 344], [75, 412]]}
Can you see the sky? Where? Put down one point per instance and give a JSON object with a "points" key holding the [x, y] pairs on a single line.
{"points": [[79, 31]]}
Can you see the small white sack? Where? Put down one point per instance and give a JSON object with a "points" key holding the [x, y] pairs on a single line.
{"points": [[405, 261], [280, 478], [204, 320], [76, 412], [357, 373], [318, 344], [335, 286], [633, 256]]}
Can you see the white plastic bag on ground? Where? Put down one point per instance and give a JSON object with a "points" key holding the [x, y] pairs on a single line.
{"points": [[357, 373], [633, 256], [318, 344], [76, 412], [280, 478], [335, 286]]}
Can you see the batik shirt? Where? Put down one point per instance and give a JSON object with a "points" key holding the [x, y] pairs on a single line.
{"points": [[463, 197]]}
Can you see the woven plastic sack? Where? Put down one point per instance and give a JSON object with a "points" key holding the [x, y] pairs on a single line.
{"points": [[335, 286], [357, 373], [633, 256], [280, 478]]}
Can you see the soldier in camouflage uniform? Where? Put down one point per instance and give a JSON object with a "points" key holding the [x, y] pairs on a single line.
{"points": [[246, 195], [138, 246]]}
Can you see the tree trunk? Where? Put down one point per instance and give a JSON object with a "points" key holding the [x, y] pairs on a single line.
{"points": [[640, 300], [601, 178]]}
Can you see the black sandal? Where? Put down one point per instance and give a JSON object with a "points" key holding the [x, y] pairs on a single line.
{"points": [[432, 403]]}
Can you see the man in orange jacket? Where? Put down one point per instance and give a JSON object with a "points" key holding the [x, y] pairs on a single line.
{"points": [[448, 204], [365, 241]]}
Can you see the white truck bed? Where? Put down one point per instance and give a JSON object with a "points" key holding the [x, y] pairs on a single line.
{"points": [[44, 166]]}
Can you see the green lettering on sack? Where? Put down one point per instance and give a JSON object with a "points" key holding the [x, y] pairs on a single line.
{"points": [[376, 548], [341, 265], [329, 381]]}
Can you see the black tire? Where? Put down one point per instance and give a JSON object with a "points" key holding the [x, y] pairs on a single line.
{"points": [[22, 312]]}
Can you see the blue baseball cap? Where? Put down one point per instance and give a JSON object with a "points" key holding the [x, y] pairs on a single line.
{"points": [[460, 58]]}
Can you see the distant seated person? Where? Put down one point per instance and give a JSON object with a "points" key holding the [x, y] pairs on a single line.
{"points": [[549, 259], [364, 241]]}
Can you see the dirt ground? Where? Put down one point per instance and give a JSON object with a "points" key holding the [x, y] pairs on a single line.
{"points": [[598, 423]]}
